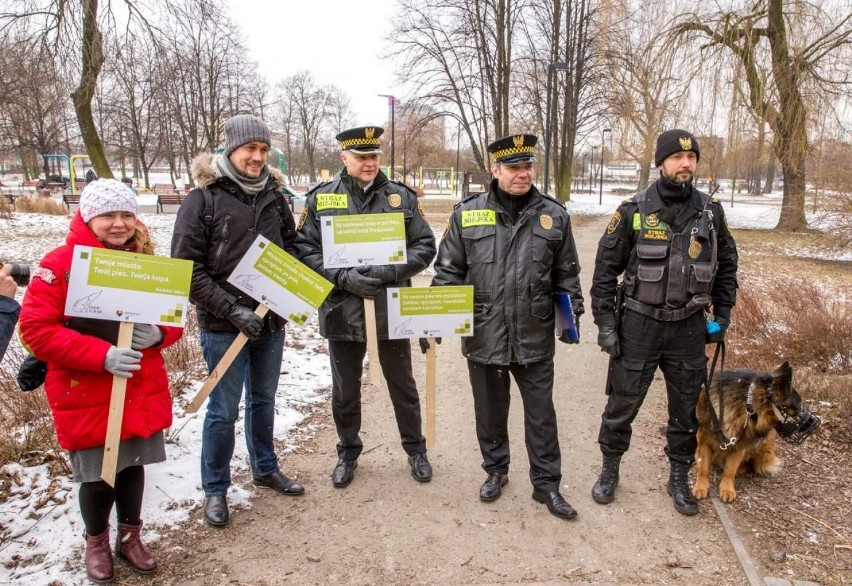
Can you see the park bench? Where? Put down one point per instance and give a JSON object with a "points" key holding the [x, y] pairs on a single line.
{"points": [[70, 199], [168, 199]]}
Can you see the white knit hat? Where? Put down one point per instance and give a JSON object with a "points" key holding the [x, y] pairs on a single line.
{"points": [[107, 195]]}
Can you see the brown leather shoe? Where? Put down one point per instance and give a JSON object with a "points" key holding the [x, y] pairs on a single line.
{"points": [[128, 545], [99, 566]]}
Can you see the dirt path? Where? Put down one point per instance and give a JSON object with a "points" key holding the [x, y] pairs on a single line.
{"points": [[387, 529]]}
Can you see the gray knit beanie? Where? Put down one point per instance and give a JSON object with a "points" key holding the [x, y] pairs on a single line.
{"points": [[244, 129], [107, 195]]}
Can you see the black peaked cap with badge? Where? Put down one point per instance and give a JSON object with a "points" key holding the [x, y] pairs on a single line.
{"points": [[363, 140], [514, 149], [674, 141]]}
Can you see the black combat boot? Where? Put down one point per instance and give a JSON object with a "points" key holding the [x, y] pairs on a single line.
{"points": [[603, 491], [678, 487]]}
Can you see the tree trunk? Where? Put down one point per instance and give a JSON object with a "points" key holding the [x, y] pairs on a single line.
{"points": [[93, 60], [770, 175]]}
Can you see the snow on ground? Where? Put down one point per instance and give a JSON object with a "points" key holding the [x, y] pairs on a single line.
{"points": [[40, 525]]}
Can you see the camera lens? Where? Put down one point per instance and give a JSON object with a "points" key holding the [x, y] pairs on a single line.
{"points": [[20, 273]]}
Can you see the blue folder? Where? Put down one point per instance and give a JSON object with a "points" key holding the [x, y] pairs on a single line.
{"points": [[565, 317]]}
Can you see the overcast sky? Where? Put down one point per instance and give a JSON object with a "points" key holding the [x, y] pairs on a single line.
{"points": [[339, 41]]}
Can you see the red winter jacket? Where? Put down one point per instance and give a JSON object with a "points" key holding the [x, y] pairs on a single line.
{"points": [[78, 388]]}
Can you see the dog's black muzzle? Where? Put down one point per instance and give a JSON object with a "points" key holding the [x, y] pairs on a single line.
{"points": [[796, 429]]}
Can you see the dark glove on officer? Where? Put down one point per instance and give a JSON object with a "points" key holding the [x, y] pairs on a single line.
{"points": [[608, 336], [722, 317], [358, 281], [424, 344], [245, 320], [385, 273], [563, 337]]}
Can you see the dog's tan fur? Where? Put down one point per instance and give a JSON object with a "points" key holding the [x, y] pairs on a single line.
{"points": [[755, 447]]}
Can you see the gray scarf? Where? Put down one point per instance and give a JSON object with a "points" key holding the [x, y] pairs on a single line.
{"points": [[249, 186]]}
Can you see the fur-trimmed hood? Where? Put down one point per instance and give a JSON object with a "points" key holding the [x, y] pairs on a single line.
{"points": [[202, 171]]}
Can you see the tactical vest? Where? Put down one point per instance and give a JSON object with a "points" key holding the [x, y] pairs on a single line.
{"points": [[671, 269]]}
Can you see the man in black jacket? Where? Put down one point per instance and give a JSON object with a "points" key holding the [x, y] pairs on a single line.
{"points": [[361, 188], [515, 246], [237, 199], [677, 257]]}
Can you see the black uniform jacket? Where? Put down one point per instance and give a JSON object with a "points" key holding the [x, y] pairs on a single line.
{"points": [[342, 315], [237, 220], [617, 249], [515, 270]]}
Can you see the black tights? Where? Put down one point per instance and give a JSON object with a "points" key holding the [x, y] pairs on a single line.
{"points": [[97, 498]]}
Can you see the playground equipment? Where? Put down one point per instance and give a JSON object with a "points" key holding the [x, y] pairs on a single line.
{"points": [[444, 178], [54, 163]]}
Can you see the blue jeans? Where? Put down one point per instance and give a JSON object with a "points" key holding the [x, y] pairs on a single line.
{"points": [[258, 367]]}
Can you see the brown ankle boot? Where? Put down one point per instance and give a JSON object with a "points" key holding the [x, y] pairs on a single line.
{"points": [[129, 546], [99, 565]]}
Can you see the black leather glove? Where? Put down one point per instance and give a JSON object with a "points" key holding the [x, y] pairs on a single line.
{"points": [[563, 337], [722, 316], [385, 273], [607, 335], [245, 320], [424, 344], [358, 282]]}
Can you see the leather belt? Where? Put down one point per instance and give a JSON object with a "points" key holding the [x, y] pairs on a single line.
{"points": [[662, 313]]}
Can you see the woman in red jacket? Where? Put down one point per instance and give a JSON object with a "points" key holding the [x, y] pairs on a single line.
{"points": [[82, 358]]}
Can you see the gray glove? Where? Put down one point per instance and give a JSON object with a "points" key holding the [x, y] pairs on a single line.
{"points": [[424, 344], [358, 282], [122, 361], [608, 335], [245, 320], [145, 336]]}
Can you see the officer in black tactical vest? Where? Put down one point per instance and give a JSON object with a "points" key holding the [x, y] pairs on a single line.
{"points": [[362, 188], [515, 246], [678, 260]]}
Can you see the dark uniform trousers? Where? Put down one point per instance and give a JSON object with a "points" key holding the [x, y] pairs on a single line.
{"points": [[677, 347], [491, 398], [347, 365]]}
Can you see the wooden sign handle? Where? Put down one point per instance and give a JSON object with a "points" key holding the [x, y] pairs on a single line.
{"points": [[431, 354], [226, 361], [116, 411], [372, 342]]}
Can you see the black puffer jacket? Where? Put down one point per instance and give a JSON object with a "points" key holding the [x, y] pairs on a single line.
{"points": [[237, 220], [342, 314], [515, 270]]}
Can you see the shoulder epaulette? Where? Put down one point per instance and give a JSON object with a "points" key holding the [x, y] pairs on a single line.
{"points": [[403, 185], [470, 197], [457, 205], [317, 186]]}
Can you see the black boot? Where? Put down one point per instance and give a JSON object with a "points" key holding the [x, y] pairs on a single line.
{"points": [[678, 488], [603, 491]]}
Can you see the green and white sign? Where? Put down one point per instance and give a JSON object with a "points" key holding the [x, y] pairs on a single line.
{"points": [[421, 312], [280, 282], [128, 287], [363, 239]]}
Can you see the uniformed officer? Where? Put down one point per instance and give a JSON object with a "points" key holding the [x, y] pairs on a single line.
{"points": [[671, 245], [515, 246], [361, 188]]}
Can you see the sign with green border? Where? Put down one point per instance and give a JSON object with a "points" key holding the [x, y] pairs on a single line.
{"points": [[280, 282], [128, 287], [421, 312], [363, 239]]}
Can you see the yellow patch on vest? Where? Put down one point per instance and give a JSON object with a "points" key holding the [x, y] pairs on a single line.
{"points": [[614, 221], [302, 218], [332, 201], [655, 235], [472, 218]]}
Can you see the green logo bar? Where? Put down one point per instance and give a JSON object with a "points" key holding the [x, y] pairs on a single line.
{"points": [[363, 228], [292, 275], [435, 300], [139, 272], [472, 218], [332, 201]]}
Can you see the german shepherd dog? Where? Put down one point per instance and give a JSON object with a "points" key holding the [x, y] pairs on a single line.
{"points": [[755, 406]]}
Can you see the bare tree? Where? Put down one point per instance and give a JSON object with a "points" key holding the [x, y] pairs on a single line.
{"points": [[311, 106], [805, 44]]}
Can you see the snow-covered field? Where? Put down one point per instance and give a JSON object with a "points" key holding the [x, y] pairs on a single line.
{"points": [[40, 525]]}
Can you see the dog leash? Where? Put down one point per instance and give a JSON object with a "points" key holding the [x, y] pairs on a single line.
{"points": [[724, 442]]}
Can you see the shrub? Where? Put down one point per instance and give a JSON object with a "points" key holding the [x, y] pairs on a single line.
{"points": [[40, 205]]}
